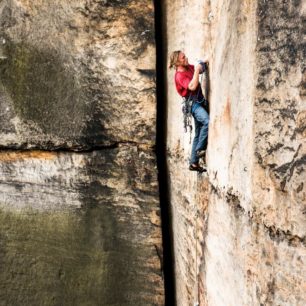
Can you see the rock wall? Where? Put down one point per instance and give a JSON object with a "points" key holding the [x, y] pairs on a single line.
{"points": [[239, 231], [79, 207]]}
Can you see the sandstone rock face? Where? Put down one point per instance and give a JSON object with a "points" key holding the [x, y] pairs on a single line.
{"points": [[72, 71], [239, 232], [75, 227], [78, 228]]}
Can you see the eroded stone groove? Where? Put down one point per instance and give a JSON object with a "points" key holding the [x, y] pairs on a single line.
{"points": [[27, 147], [161, 140]]}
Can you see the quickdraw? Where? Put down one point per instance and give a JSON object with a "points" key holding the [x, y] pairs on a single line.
{"points": [[186, 109]]}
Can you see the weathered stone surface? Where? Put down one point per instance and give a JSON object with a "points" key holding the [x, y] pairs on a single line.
{"points": [[189, 222], [280, 146], [253, 221], [248, 263], [76, 74], [80, 228]]}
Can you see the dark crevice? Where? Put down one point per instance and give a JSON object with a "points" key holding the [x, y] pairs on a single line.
{"points": [[278, 235], [161, 140], [90, 149]]}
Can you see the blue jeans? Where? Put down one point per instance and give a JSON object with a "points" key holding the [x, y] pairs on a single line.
{"points": [[201, 121]]}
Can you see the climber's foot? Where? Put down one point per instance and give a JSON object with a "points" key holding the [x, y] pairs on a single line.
{"points": [[196, 167]]}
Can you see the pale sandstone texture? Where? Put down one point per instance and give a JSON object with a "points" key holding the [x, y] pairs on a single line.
{"points": [[78, 228], [250, 220]]}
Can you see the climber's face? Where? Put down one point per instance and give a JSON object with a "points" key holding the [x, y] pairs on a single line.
{"points": [[182, 60]]}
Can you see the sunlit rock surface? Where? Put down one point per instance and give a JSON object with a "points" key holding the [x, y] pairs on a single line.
{"points": [[78, 228], [239, 232]]}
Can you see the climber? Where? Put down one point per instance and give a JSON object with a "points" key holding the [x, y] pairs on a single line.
{"points": [[187, 85]]}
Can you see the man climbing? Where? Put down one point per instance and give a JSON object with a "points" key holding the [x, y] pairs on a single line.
{"points": [[187, 85]]}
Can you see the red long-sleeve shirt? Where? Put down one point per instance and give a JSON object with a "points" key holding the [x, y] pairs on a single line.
{"points": [[182, 80]]}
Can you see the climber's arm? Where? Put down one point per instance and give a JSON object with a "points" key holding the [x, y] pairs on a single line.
{"points": [[195, 80]]}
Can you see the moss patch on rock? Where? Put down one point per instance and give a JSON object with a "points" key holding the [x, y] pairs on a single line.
{"points": [[65, 258], [44, 89]]}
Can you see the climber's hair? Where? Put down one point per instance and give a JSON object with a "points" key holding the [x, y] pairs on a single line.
{"points": [[174, 58]]}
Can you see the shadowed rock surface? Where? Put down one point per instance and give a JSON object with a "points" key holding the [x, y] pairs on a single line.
{"points": [[74, 227], [78, 228]]}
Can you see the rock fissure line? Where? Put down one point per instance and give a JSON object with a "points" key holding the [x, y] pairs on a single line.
{"points": [[114, 145], [275, 234], [279, 235], [161, 153]]}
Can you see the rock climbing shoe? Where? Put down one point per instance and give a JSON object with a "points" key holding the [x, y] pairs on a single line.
{"points": [[196, 168]]}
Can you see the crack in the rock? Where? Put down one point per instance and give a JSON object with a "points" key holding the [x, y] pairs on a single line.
{"points": [[279, 235], [159, 254], [79, 149], [289, 167]]}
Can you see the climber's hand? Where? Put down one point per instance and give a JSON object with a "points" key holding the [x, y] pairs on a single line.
{"points": [[198, 68]]}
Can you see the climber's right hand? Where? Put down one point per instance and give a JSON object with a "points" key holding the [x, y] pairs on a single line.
{"points": [[198, 68]]}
